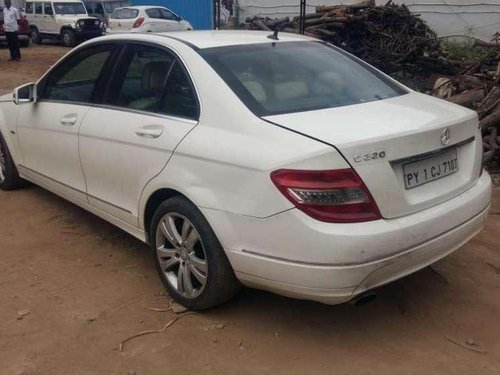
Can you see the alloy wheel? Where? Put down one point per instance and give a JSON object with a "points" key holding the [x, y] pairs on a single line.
{"points": [[181, 255]]}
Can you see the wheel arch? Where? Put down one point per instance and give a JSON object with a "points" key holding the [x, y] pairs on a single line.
{"points": [[153, 202]]}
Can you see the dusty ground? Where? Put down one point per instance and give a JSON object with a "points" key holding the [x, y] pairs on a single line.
{"points": [[87, 286]]}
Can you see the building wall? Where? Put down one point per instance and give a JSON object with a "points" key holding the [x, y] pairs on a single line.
{"points": [[477, 18]]}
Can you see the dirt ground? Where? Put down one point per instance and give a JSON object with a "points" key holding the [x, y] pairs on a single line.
{"points": [[86, 286]]}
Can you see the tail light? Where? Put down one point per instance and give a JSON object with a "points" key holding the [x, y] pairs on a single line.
{"points": [[334, 196], [138, 22]]}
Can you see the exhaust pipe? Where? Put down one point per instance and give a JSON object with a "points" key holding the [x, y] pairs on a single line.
{"points": [[363, 298]]}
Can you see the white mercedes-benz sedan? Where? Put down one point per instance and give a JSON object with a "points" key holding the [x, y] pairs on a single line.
{"points": [[286, 165]]}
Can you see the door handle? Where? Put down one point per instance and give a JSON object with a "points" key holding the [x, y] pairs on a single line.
{"points": [[149, 132], [68, 120]]}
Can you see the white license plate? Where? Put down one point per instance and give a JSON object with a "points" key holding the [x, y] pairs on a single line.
{"points": [[435, 167]]}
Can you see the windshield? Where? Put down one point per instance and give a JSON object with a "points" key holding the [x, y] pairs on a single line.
{"points": [[110, 6], [69, 8], [276, 78]]}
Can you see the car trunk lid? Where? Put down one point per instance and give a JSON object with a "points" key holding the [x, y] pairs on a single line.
{"points": [[386, 141]]}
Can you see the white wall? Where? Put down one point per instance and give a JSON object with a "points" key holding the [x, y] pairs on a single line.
{"points": [[477, 18]]}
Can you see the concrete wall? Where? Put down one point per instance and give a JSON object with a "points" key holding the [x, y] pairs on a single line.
{"points": [[477, 18]]}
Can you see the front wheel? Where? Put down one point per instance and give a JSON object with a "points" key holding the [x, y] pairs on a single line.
{"points": [[68, 38], [35, 36], [9, 178], [189, 259]]}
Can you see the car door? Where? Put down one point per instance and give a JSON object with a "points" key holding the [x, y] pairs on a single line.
{"points": [[48, 129], [39, 18], [149, 107], [50, 25]]}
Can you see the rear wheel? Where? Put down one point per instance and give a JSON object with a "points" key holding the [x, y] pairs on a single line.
{"points": [[68, 38], [189, 259], [35, 35], [9, 178]]}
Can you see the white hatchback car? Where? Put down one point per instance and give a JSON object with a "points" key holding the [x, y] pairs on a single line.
{"points": [[145, 19], [286, 165]]}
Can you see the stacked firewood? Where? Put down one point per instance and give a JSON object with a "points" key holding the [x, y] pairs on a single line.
{"points": [[478, 87], [389, 37]]}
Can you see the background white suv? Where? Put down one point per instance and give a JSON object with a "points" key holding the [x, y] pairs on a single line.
{"points": [[66, 20]]}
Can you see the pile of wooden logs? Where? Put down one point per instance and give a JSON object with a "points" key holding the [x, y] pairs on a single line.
{"points": [[389, 37], [478, 87]]}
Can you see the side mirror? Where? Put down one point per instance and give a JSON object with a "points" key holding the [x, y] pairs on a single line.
{"points": [[25, 94]]}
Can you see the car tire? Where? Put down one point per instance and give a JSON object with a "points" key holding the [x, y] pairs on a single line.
{"points": [[24, 43], [189, 258], [9, 177], [35, 35], [68, 38]]}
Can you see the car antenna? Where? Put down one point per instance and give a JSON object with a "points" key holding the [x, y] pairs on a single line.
{"points": [[274, 36]]}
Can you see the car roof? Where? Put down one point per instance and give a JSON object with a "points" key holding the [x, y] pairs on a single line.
{"points": [[141, 6], [221, 38]]}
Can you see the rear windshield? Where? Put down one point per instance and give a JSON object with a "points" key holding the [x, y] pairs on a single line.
{"points": [[122, 14], [277, 78], [69, 8]]}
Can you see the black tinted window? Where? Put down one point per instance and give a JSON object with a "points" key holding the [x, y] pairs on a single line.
{"points": [[167, 15], [75, 79], [29, 8], [139, 78], [38, 8], [179, 98], [149, 79], [274, 78], [47, 8], [153, 13]]}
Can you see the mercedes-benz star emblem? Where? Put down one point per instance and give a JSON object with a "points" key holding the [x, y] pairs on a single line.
{"points": [[445, 136]]}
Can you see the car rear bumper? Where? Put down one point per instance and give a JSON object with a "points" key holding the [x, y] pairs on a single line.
{"points": [[294, 255]]}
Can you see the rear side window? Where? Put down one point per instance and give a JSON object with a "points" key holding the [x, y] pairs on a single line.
{"points": [[38, 8], [75, 79], [153, 13], [151, 79], [122, 14], [29, 8], [276, 78]]}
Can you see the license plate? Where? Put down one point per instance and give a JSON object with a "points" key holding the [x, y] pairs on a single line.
{"points": [[433, 168]]}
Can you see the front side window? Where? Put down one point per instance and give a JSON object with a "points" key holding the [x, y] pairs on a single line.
{"points": [[76, 78], [152, 80], [29, 8], [276, 78], [168, 15], [38, 8], [47, 9], [69, 8]]}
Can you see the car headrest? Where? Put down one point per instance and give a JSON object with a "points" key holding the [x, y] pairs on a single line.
{"points": [[153, 76]]}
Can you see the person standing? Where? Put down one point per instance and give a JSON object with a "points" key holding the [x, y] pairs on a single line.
{"points": [[10, 18]]}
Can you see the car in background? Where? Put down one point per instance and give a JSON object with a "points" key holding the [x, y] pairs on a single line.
{"points": [[65, 20], [146, 19], [101, 9], [23, 32]]}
